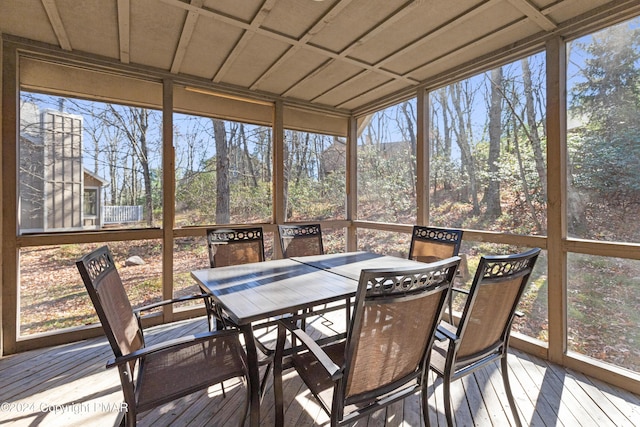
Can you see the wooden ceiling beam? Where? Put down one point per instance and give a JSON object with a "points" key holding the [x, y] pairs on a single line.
{"points": [[534, 14], [56, 23], [124, 29], [325, 20], [286, 39], [185, 37], [399, 13], [441, 30], [248, 34], [474, 44]]}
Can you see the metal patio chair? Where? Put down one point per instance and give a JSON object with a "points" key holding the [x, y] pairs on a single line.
{"points": [[385, 356], [297, 240], [160, 373], [482, 334], [231, 246], [300, 240], [429, 244]]}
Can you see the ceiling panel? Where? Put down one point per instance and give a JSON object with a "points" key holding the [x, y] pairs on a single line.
{"points": [[355, 20], [419, 21], [322, 80], [565, 10], [209, 45], [373, 95], [92, 26], [294, 17], [243, 10], [27, 19], [295, 65], [155, 32], [352, 88], [250, 62], [461, 33], [332, 53], [466, 54]]}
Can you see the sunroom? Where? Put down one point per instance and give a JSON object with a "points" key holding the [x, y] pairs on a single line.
{"points": [[510, 119]]}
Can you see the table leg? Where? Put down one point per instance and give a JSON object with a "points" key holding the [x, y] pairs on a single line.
{"points": [[254, 374]]}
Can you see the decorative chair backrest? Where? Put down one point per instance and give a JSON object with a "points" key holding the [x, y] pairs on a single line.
{"points": [[301, 240], [395, 316], [104, 285], [235, 246], [486, 319], [430, 244]]}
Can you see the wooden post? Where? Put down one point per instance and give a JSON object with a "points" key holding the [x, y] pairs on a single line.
{"points": [[352, 183], [556, 191], [168, 196], [10, 262], [279, 214], [422, 158]]}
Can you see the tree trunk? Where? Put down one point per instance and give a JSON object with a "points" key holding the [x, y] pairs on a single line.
{"points": [[135, 127], [523, 176], [466, 157], [222, 172], [446, 138], [245, 150], [534, 137], [492, 195], [142, 116], [408, 116]]}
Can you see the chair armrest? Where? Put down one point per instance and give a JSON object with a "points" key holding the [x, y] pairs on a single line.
{"points": [[185, 341], [138, 310], [442, 333], [334, 371]]}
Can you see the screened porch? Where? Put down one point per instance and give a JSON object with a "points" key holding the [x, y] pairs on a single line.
{"points": [[513, 120]]}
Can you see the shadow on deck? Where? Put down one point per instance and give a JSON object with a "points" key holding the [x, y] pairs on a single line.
{"points": [[68, 385]]}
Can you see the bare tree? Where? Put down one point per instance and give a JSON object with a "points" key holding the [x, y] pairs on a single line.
{"points": [[492, 194], [534, 137], [523, 175], [461, 100], [222, 172], [134, 123], [245, 150], [406, 126]]}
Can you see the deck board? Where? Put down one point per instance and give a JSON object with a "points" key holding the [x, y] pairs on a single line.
{"points": [[68, 385]]}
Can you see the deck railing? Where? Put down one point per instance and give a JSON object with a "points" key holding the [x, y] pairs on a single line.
{"points": [[121, 214]]}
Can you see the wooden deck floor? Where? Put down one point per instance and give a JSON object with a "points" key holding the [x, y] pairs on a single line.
{"points": [[69, 386]]}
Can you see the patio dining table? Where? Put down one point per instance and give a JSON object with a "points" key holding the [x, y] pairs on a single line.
{"points": [[254, 292]]}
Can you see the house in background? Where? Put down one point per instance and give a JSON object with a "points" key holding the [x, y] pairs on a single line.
{"points": [[57, 192]]}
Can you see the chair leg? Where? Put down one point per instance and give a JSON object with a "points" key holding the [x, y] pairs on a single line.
{"points": [[130, 418], [246, 403], [348, 313], [505, 379], [277, 377], [446, 383], [425, 406], [263, 384]]}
